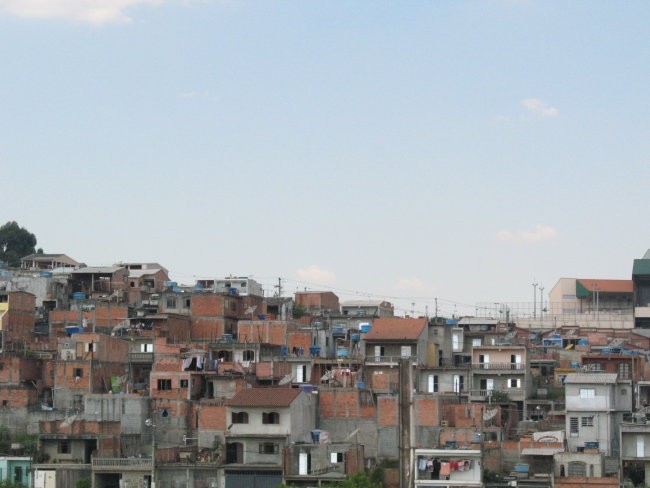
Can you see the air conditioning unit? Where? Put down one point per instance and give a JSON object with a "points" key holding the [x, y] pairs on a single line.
{"points": [[444, 423]]}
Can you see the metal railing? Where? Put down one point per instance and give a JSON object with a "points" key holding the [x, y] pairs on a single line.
{"points": [[133, 463], [500, 366]]}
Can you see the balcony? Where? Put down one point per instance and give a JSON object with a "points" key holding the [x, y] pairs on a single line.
{"points": [[121, 464], [485, 395], [498, 367], [141, 357], [388, 360]]}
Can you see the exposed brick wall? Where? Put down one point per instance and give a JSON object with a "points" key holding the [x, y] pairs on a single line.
{"points": [[387, 408], [426, 411], [212, 417]]}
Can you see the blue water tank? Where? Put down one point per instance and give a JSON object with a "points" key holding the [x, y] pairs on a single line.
{"points": [[361, 384], [355, 337], [521, 468], [78, 296], [307, 388], [365, 328], [342, 352], [171, 284]]}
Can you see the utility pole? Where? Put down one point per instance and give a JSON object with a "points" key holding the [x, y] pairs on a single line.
{"points": [[279, 287], [404, 402], [541, 302], [534, 299]]}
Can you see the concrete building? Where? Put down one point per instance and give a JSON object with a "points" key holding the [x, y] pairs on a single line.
{"points": [[595, 406]]}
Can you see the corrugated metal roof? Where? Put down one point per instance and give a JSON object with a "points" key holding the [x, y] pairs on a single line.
{"points": [[97, 270], [591, 378], [396, 329], [264, 397]]}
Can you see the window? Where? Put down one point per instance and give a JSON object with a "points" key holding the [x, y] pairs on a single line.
{"points": [[379, 351], [455, 342], [587, 393], [432, 386], [587, 421], [336, 457], [165, 384], [171, 302], [249, 355], [239, 418], [63, 447], [406, 351], [459, 383], [90, 347], [146, 347], [624, 371], [477, 342], [78, 372], [269, 448], [573, 426], [577, 468], [514, 383], [184, 383], [270, 418]]}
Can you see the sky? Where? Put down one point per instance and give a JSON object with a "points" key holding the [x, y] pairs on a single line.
{"points": [[408, 151]]}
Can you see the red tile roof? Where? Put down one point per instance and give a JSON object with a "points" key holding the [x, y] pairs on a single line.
{"points": [[396, 329], [608, 286], [264, 397]]}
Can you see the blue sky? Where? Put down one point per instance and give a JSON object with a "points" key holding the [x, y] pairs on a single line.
{"points": [[406, 150]]}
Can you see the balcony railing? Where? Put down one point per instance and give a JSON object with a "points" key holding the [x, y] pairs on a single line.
{"points": [[499, 366], [121, 463], [389, 359], [141, 357], [516, 393]]}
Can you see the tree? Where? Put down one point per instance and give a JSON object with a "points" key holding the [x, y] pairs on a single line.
{"points": [[298, 311], [15, 242]]}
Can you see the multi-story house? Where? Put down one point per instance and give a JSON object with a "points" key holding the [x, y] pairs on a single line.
{"points": [[635, 448], [16, 319], [100, 282], [391, 340], [595, 405], [262, 423], [501, 373]]}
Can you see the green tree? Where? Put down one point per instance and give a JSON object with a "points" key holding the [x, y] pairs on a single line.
{"points": [[83, 483], [298, 311], [15, 242]]}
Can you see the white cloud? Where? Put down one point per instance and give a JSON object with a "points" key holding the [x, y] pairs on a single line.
{"points": [[539, 233], [412, 284], [315, 274], [528, 236], [92, 11], [539, 108]]}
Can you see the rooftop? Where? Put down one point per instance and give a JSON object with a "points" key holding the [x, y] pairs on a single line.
{"points": [[396, 329], [591, 378]]}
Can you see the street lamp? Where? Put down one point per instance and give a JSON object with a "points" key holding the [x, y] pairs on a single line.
{"points": [[534, 299]]}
